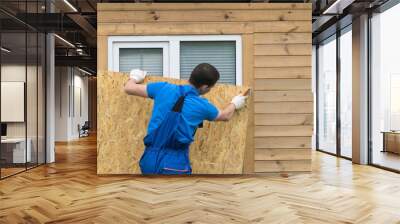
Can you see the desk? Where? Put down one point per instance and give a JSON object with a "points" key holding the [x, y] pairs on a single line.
{"points": [[391, 141], [15, 148]]}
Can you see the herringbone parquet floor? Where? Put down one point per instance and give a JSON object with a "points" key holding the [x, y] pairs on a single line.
{"points": [[69, 191]]}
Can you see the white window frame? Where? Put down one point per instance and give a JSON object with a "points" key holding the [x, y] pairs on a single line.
{"points": [[119, 45], [171, 50]]}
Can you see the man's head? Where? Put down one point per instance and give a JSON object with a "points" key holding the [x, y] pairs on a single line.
{"points": [[203, 77]]}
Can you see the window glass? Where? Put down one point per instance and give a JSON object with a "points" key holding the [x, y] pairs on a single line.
{"points": [[385, 89], [346, 93], [148, 59], [15, 150], [221, 54], [327, 96]]}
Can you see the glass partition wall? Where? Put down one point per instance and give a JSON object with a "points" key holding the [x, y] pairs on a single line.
{"points": [[327, 95], [22, 88], [334, 93], [385, 89]]}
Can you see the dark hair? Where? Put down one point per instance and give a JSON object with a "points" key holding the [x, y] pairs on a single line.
{"points": [[204, 74]]}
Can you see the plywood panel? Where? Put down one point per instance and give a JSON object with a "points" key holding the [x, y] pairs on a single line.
{"points": [[283, 166], [263, 131], [282, 38], [282, 61], [284, 107], [122, 122], [282, 154], [282, 49], [284, 72], [199, 6], [201, 16], [283, 119], [282, 142], [282, 84], [283, 96]]}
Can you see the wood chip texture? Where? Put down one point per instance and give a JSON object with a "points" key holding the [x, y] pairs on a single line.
{"points": [[219, 147]]}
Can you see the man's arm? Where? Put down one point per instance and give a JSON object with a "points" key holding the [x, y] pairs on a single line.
{"points": [[227, 113], [132, 88]]}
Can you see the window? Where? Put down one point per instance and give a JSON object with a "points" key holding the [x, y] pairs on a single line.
{"points": [[220, 54], [394, 102], [346, 93], [176, 56], [148, 59], [327, 95], [385, 89]]}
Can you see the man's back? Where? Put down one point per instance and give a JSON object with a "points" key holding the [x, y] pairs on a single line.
{"points": [[195, 109]]}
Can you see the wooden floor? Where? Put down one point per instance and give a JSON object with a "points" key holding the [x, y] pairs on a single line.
{"points": [[386, 159], [69, 191]]}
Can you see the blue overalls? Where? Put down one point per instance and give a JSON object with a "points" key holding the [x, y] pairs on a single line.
{"points": [[167, 147]]}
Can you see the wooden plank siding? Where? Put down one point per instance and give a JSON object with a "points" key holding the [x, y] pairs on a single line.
{"points": [[276, 62]]}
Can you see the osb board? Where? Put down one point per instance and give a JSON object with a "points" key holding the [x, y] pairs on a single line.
{"points": [[219, 147]]}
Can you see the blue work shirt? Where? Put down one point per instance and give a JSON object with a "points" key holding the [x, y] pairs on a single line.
{"points": [[195, 109]]}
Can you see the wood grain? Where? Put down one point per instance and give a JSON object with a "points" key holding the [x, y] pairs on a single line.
{"points": [[283, 84], [282, 38], [282, 142], [282, 154], [123, 120], [283, 165], [70, 191], [202, 16], [282, 49], [282, 61], [283, 72], [175, 28], [284, 107], [287, 130], [199, 6], [283, 119], [283, 96]]}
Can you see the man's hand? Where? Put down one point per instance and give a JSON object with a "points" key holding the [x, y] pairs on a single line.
{"points": [[239, 101], [138, 75]]}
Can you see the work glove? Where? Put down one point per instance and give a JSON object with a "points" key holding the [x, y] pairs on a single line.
{"points": [[239, 101], [138, 75]]}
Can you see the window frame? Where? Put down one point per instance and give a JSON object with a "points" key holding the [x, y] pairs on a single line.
{"points": [[171, 50], [334, 37]]}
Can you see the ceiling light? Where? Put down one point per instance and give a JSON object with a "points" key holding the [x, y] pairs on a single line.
{"points": [[70, 5], [338, 6], [84, 71], [64, 40], [5, 50]]}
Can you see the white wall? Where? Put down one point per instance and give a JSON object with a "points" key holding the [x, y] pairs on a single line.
{"points": [[70, 83], [16, 73]]}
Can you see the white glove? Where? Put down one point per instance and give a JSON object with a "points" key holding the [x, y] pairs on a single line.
{"points": [[138, 75], [239, 101]]}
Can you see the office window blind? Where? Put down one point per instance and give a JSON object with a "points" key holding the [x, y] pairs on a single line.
{"points": [[221, 54], [148, 59]]}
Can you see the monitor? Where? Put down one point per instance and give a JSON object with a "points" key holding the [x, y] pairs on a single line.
{"points": [[3, 129]]}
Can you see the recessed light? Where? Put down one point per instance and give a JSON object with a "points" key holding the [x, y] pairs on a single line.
{"points": [[5, 50]]}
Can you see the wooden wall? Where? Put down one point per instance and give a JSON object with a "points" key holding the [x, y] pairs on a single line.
{"points": [[276, 64]]}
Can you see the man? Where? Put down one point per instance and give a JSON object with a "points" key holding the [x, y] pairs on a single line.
{"points": [[177, 113]]}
